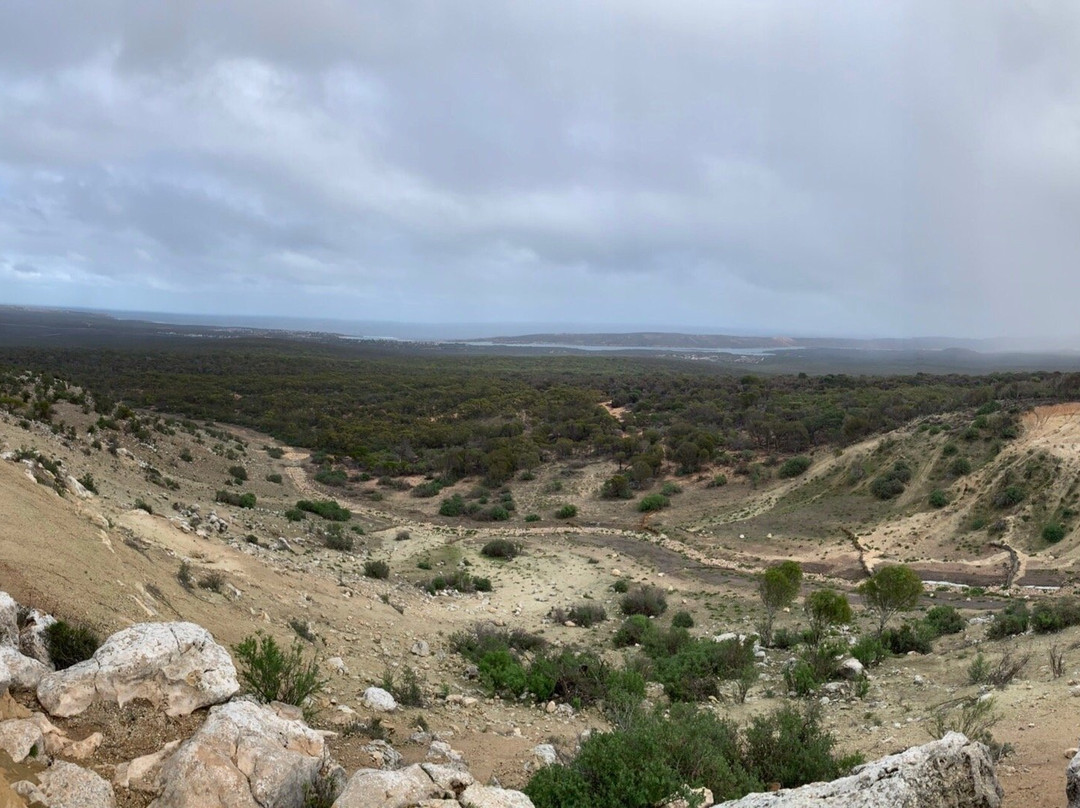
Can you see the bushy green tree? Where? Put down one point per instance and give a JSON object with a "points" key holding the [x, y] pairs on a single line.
{"points": [[778, 587], [891, 589], [825, 608]]}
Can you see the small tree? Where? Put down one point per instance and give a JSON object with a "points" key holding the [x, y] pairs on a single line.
{"points": [[889, 590], [825, 608], [779, 586]]}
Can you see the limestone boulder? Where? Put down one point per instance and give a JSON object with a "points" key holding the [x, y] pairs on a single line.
{"points": [[245, 755], [65, 785], [425, 784], [33, 641], [1072, 782], [20, 672], [176, 666], [9, 621], [951, 773]]}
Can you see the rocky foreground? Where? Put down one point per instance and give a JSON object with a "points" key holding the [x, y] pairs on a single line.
{"points": [[249, 755]]}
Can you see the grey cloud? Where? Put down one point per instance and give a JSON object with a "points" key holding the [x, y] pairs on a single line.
{"points": [[890, 168]]}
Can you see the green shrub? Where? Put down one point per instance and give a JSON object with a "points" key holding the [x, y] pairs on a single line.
{"points": [[585, 615], [453, 505], [911, 636], [246, 500], [272, 674], [938, 498], [326, 508], [693, 669], [1012, 620], [793, 467], [784, 639], [501, 548], [1009, 496], [274, 478], [1050, 616], [656, 756], [959, 467], [869, 650], [483, 638], [799, 679], [617, 487], [1053, 532], [186, 456], [532, 517], [719, 481], [682, 620], [427, 490], [294, 515], [635, 630], [978, 671], [331, 477], [670, 489], [457, 581], [238, 473], [566, 512], [275, 452], [621, 586], [653, 502], [143, 505], [646, 600], [891, 483], [944, 620], [87, 481], [407, 691], [379, 570], [337, 540], [70, 644]]}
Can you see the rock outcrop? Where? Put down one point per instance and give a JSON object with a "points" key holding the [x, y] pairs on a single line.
{"points": [[424, 784], [65, 785], [245, 755], [176, 666], [951, 773], [1072, 782]]}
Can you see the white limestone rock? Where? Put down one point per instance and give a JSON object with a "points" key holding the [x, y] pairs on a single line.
{"points": [[176, 666]]}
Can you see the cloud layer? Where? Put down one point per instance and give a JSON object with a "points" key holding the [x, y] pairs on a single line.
{"points": [[873, 168]]}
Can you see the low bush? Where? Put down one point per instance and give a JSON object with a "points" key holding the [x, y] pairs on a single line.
{"points": [[617, 487], [452, 506], [484, 638], [646, 600], [238, 473], [427, 489], [682, 620], [622, 586], [657, 757], [407, 691], [501, 548], [1053, 532], [692, 671], [944, 620], [70, 644], [273, 674], [566, 512], [653, 502], [87, 481], [793, 467], [635, 630], [143, 505], [331, 477], [326, 508], [585, 615], [274, 478], [457, 581], [379, 570], [1051, 616], [938, 498], [337, 540], [911, 636], [870, 651], [1012, 620], [246, 500]]}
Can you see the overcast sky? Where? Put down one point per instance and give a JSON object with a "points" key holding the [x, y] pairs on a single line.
{"points": [[876, 168]]}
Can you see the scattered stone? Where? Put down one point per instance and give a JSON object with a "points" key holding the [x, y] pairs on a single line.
{"points": [[377, 699], [420, 648], [66, 785]]}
